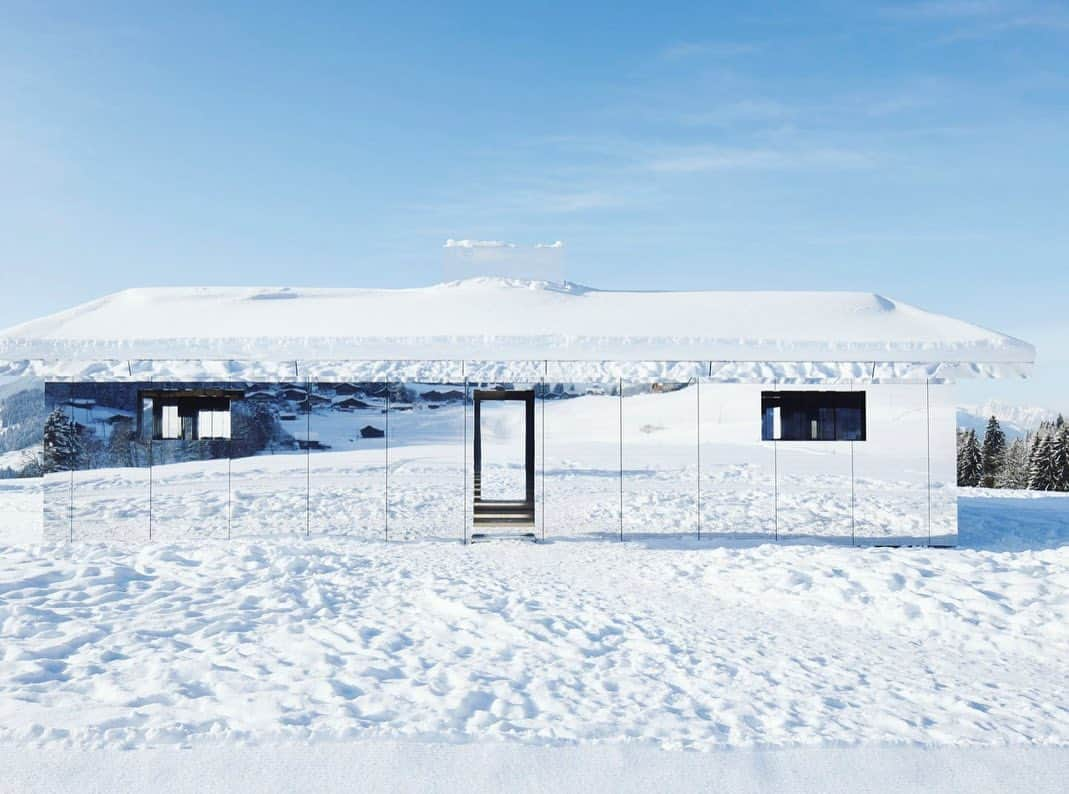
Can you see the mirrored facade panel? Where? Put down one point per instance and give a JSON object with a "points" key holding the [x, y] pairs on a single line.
{"points": [[738, 468], [942, 415], [269, 433], [23, 412], [814, 478], [59, 459], [347, 460], [426, 461], [582, 459], [660, 459], [504, 460], [814, 499], [110, 492], [891, 467], [128, 461], [190, 450]]}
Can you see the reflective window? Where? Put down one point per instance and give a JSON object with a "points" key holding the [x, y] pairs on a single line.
{"points": [[213, 423], [188, 416], [170, 424], [813, 416]]}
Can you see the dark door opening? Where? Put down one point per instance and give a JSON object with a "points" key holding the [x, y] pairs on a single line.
{"points": [[516, 512]]}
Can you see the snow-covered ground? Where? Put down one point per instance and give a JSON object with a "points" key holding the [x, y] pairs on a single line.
{"points": [[659, 645]]}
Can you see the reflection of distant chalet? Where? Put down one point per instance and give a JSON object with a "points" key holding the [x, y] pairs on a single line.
{"points": [[375, 389], [443, 396], [309, 402], [261, 396], [346, 388], [350, 404], [292, 393]]}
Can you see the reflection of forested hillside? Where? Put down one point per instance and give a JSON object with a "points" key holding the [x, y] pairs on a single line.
{"points": [[22, 417], [271, 418]]}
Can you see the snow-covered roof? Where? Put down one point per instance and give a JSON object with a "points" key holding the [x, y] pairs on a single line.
{"points": [[495, 319]]}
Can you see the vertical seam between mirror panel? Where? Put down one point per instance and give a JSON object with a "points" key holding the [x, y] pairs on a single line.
{"points": [[775, 480], [229, 489], [74, 464], [698, 419], [308, 461], [150, 488], [621, 437], [386, 527], [928, 433], [545, 374], [151, 461], [853, 526], [464, 528]]}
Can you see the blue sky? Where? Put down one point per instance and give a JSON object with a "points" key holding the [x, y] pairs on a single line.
{"points": [[918, 150]]}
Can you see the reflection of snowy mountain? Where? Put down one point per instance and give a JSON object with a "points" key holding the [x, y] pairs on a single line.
{"points": [[1016, 420]]}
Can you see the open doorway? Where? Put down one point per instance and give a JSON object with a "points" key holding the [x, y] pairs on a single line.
{"points": [[503, 492]]}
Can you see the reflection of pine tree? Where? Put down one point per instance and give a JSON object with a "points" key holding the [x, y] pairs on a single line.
{"points": [[994, 452], [120, 444], [63, 447], [254, 427], [970, 463]]}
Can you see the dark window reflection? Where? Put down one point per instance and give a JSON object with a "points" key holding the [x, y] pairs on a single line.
{"points": [[813, 416], [188, 416]]}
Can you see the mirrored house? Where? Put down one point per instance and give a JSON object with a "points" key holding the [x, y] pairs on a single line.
{"points": [[494, 407]]}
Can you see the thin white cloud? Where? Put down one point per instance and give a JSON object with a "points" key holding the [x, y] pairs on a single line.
{"points": [[579, 201], [451, 243], [743, 111], [974, 19], [705, 159], [494, 245], [715, 49], [894, 105], [949, 9]]}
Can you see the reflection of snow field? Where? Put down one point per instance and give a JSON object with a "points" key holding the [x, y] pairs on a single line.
{"points": [[503, 445], [21, 517], [427, 486], [871, 492]]}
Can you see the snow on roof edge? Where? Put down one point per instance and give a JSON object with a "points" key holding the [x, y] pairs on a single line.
{"points": [[491, 318]]}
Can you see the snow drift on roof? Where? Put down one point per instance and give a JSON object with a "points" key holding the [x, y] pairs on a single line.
{"points": [[505, 320]]}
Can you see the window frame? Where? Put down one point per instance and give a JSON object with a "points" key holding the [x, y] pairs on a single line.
{"points": [[189, 408], [818, 410]]}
